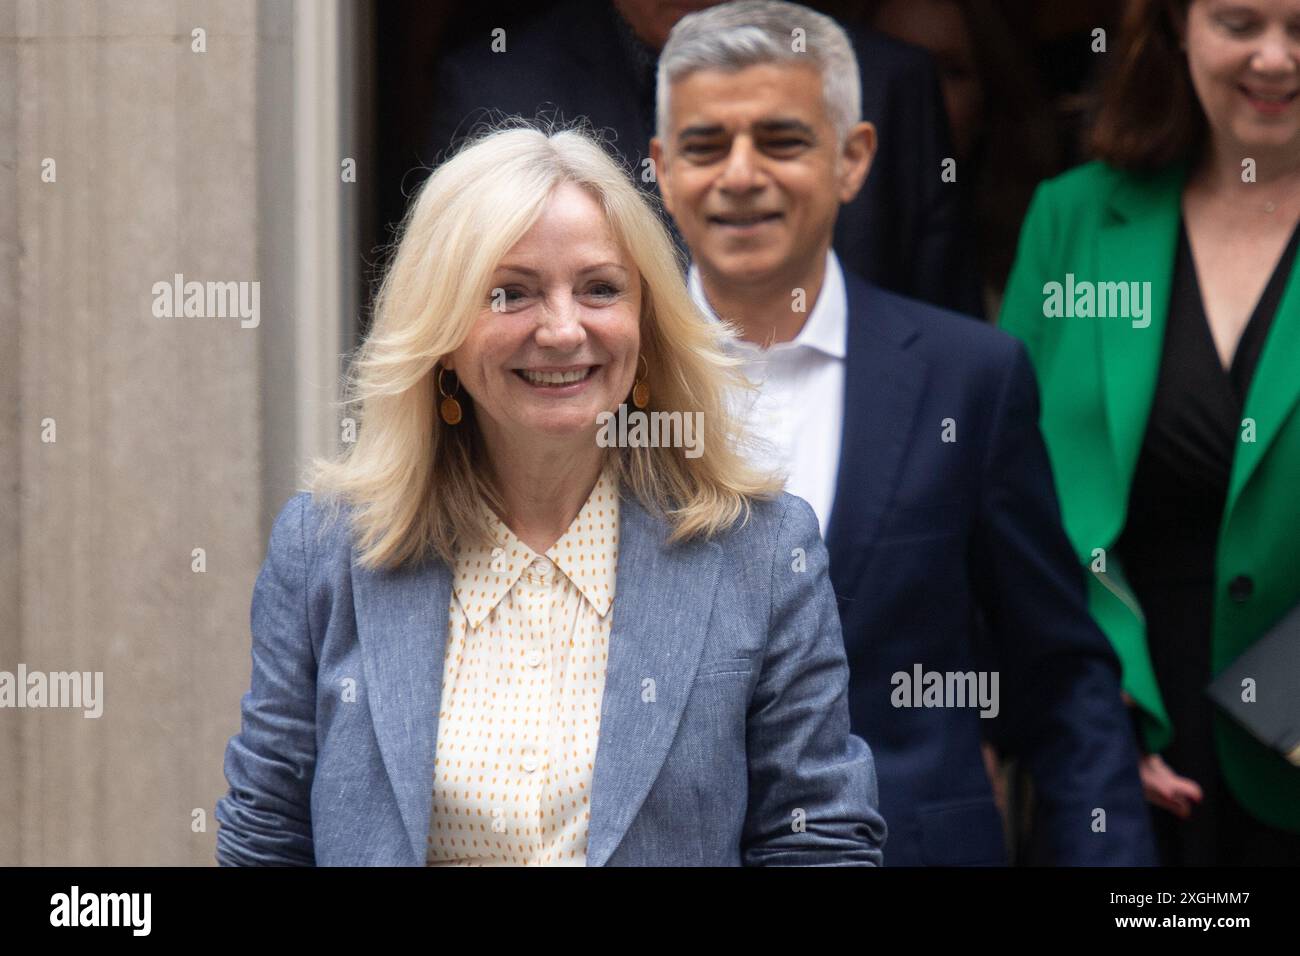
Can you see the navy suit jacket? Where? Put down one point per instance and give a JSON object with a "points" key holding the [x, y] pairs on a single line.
{"points": [[904, 231], [951, 555]]}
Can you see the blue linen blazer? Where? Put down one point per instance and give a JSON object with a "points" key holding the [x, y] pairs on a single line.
{"points": [[724, 735]]}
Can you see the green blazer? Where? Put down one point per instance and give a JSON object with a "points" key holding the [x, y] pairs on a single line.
{"points": [[1098, 375]]}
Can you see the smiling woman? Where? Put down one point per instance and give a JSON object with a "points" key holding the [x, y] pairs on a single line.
{"points": [[533, 625], [1151, 425]]}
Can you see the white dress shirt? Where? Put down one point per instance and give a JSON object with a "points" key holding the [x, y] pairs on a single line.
{"points": [[799, 406]]}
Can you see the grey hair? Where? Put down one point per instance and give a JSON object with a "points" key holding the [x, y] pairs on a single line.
{"points": [[732, 36]]}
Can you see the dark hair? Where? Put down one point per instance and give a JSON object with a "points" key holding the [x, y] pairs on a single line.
{"points": [[1018, 145], [1149, 115]]}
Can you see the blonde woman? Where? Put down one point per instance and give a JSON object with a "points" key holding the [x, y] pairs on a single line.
{"points": [[489, 634]]}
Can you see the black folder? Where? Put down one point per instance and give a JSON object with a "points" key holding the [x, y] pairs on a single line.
{"points": [[1273, 662]]}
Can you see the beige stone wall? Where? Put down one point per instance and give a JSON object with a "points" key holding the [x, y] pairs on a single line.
{"points": [[171, 434]]}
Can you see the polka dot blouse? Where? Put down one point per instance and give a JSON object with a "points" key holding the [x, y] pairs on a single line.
{"points": [[522, 685]]}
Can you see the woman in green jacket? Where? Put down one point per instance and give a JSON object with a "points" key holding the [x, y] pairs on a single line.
{"points": [[1158, 293]]}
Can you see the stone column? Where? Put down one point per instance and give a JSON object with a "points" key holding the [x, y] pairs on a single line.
{"points": [[145, 450]]}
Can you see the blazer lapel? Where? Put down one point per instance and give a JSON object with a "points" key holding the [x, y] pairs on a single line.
{"points": [[402, 627], [1137, 242], [883, 385], [663, 598], [1275, 388]]}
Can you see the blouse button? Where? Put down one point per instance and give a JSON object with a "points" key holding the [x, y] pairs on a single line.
{"points": [[535, 659], [539, 572], [530, 764]]}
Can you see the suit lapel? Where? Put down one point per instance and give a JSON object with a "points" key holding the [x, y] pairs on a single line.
{"points": [[663, 598], [1275, 388], [402, 627], [883, 385], [1137, 242]]}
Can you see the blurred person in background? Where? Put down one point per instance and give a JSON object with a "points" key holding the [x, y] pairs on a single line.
{"points": [[1172, 421], [1004, 133]]}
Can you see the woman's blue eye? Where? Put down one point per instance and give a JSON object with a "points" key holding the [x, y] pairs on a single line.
{"points": [[604, 290]]}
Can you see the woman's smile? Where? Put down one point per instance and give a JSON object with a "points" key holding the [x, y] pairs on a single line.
{"points": [[558, 382], [1269, 103]]}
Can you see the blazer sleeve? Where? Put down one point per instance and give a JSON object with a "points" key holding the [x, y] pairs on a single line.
{"points": [[1061, 709], [812, 784], [265, 818]]}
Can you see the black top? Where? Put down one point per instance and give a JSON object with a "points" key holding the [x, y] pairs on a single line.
{"points": [[1169, 546]]}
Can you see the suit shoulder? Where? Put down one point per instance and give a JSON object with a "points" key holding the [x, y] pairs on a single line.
{"points": [[319, 525], [1082, 190], [783, 515], [951, 338], [1087, 177]]}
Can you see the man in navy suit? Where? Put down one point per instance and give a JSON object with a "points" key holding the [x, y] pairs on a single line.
{"points": [[913, 433], [596, 59]]}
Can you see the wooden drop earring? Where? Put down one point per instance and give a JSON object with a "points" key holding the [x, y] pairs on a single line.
{"points": [[641, 387], [448, 408]]}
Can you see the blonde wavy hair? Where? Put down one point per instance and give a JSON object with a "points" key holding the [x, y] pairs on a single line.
{"points": [[415, 485]]}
